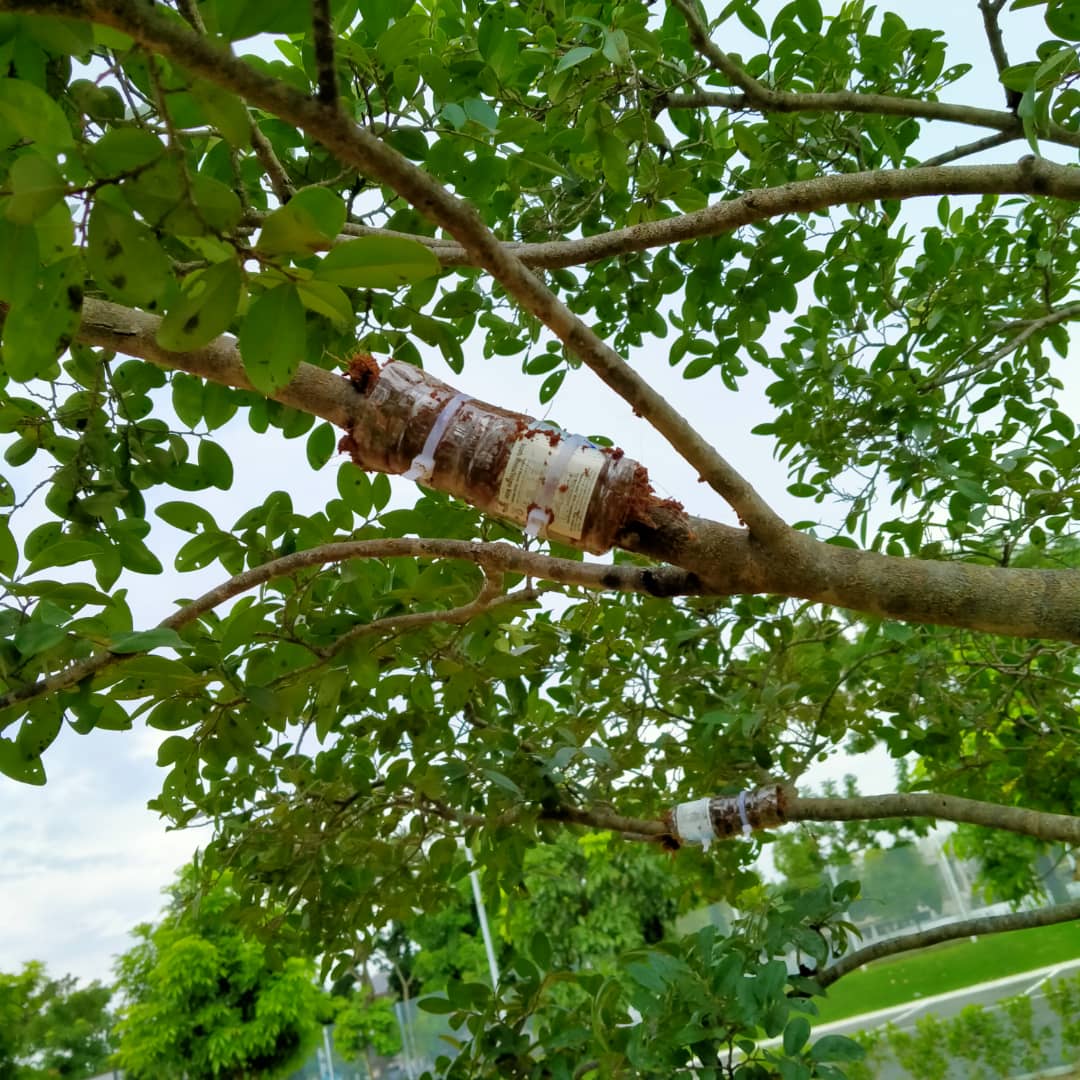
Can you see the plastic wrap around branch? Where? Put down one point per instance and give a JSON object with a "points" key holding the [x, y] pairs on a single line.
{"points": [[705, 820], [549, 482]]}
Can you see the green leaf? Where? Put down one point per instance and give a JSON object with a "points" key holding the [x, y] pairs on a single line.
{"points": [[225, 111], [502, 780], [64, 553], [173, 749], [125, 258], [579, 54], [377, 262], [273, 338], [18, 250], [134, 641], [216, 464], [617, 47], [320, 445], [204, 310], [123, 150], [328, 300], [479, 111], [235, 19], [9, 550], [36, 185], [1063, 19], [437, 1006], [796, 1035], [1027, 111], [836, 1048], [354, 487], [40, 328], [187, 516], [29, 113], [36, 637], [309, 222], [19, 765]]}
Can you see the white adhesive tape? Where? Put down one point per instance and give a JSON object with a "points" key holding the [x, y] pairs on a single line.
{"points": [[747, 828], [693, 823], [423, 465]]}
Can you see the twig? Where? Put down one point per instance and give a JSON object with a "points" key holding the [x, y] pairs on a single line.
{"points": [[991, 924], [990, 9], [279, 179], [489, 598], [761, 98], [1070, 311], [322, 32], [967, 149], [496, 558]]}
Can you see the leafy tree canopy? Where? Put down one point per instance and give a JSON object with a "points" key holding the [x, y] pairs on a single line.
{"points": [[203, 999], [52, 1027], [199, 233]]}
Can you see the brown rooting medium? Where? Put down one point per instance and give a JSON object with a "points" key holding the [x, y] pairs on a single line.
{"points": [[502, 462]]}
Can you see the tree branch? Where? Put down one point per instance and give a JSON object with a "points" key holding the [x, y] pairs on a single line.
{"points": [[1029, 330], [990, 9], [1029, 176], [363, 151], [322, 33], [769, 807], [716, 559], [987, 924], [976, 146], [495, 558], [756, 96], [280, 183]]}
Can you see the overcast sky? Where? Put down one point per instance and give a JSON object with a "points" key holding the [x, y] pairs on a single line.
{"points": [[82, 860]]}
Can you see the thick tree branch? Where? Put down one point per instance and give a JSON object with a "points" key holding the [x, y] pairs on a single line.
{"points": [[719, 559], [768, 807], [757, 96], [361, 150], [990, 924]]}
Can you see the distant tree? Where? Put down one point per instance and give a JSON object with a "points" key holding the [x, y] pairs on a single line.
{"points": [[52, 1027], [897, 884], [202, 998], [366, 1024], [590, 895]]}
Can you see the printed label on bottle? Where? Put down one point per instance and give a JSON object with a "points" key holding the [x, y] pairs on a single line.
{"points": [[526, 476]]}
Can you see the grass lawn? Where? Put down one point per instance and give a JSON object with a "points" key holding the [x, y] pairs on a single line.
{"points": [[948, 967]]}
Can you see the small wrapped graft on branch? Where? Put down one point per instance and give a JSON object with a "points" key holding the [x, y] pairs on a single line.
{"points": [[556, 485], [724, 816]]}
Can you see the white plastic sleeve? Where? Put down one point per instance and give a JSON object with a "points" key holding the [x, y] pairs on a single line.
{"points": [[693, 823]]}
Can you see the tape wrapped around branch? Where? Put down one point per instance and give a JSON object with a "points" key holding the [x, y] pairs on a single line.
{"points": [[720, 817], [551, 483]]}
